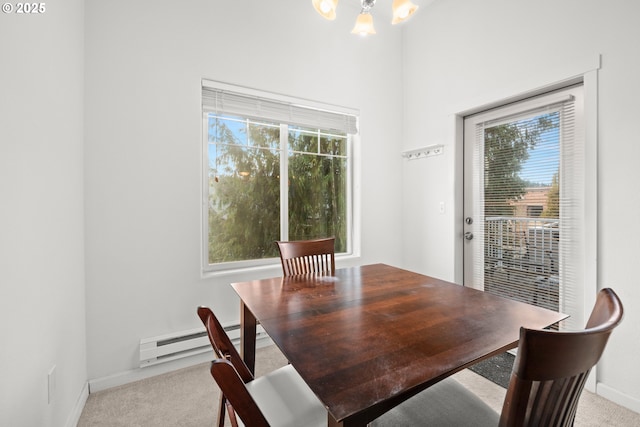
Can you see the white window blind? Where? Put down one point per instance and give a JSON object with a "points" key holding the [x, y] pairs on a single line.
{"points": [[215, 100], [530, 182]]}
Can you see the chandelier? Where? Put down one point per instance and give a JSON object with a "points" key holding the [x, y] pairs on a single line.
{"points": [[402, 10]]}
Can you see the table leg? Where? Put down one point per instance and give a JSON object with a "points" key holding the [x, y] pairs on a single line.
{"points": [[248, 337]]}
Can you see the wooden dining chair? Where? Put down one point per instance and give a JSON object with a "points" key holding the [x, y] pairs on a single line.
{"points": [[547, 379], [279, 398], [307, 256]]}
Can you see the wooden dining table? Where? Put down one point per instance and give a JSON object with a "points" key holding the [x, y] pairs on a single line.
{"points": [[370, 337]]}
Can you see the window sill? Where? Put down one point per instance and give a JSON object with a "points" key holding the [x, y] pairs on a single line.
{"points": [[276, 267]]}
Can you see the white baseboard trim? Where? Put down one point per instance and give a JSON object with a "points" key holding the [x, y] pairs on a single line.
{"points": [[618, 397], [104, 383], [74, 416]]}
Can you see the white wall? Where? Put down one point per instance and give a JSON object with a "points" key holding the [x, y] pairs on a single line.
{"points": [[42, 293], [144, 64], [462, 54]]}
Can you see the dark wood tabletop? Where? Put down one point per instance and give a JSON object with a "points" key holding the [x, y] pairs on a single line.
{"points": [[370, 337]]}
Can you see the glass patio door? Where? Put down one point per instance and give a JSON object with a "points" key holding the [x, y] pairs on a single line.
{"points": [[523, 202]]}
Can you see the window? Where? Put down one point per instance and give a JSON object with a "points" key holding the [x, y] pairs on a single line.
{"points": [[275, 168]]}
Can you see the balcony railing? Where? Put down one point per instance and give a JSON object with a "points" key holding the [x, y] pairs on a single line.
{"points": [[521, 259]]}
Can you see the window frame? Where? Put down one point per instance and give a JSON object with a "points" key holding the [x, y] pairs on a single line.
{"points": [[352, 181]]}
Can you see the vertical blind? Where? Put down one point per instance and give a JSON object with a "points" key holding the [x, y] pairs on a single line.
{"points": [[222, 101], [530, 178]]}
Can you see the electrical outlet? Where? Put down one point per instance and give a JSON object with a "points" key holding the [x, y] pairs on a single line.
{"points": [[51, 384]]}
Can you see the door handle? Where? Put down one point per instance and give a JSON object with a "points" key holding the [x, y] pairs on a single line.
{"points": [[468, 235]]}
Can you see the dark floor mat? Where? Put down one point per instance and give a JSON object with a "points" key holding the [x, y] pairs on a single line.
{"points": [[496, 369]]}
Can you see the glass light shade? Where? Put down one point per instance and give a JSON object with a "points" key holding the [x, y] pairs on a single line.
{"points": [[402, 10], [364, 25], [326, 8]]}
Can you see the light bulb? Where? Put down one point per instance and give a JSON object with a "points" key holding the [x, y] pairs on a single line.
{"points": [[325, 6], [364, 25], [402, 10]]}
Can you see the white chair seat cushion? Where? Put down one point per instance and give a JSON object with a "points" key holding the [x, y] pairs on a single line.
{"points": [[447, 404], [286, 400]]}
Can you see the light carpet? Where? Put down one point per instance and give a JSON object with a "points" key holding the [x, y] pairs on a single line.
{"points": [[189, 398]]}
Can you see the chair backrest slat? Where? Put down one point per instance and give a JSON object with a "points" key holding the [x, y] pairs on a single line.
{"points": [[307, 256]]}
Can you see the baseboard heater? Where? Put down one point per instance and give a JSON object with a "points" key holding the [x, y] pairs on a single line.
{"points": [[183, 344]]}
